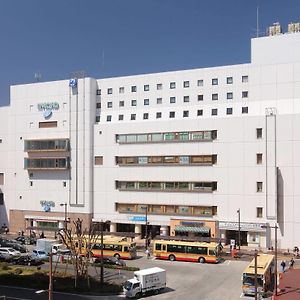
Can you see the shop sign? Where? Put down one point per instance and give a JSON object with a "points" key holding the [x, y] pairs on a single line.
{"points": [[244, 226], [48, 106], [197, 224], [138, 219]]}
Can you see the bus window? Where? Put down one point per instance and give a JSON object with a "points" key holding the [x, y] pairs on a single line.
{"points": [[176, 248], [157, 246], [202, 250], [117, 247], [164, 247], [126, 249], [212, 252]]}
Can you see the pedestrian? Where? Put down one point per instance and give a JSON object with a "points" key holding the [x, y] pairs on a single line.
{"points": [[292, 262], [283, 265], [296, 251], [147, 253]]}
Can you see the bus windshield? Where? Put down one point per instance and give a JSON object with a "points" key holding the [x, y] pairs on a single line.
{"points": [[250, 280]]}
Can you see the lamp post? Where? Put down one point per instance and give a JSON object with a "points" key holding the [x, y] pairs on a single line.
{"points": [[239, 224], [255, 273], [66, 215], [275, 269], [146, 225]]}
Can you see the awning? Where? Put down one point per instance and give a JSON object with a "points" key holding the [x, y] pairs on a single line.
{"points": [[196, 229]]}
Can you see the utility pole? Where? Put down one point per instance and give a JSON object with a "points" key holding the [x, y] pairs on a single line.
{"points": [[101, 273], [239, 224], [146, 228], [50, 292], [255, 272]]}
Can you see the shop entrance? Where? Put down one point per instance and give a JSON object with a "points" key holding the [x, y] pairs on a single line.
{"points": [[234, 235]]}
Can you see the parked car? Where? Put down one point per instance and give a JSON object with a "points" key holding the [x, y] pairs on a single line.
{"points": [[26, 240], [12, 244], [27, 260], [9, 252], [41, 254], [110, 261]]}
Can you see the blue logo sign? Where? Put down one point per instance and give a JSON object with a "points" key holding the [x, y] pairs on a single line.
{"points": [[73, 82], [138, 219], [47, 114], [46, 205]]}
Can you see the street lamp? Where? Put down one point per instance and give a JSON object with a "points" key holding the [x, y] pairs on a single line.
{"points": [[66, 219], [50, 288], [146, 225], [239, 232], [275, 269]]}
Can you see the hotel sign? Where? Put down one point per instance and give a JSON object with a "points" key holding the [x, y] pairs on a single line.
{"points": [[244, 226]]}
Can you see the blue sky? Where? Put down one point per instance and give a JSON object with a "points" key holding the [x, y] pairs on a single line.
{"points": [[108, 38]]}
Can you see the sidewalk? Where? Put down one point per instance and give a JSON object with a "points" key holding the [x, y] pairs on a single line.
{"points": [[289, 285]]}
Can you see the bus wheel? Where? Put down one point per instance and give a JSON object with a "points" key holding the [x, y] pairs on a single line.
{"points": [[117, 256], [172, 258], [201, 260]]}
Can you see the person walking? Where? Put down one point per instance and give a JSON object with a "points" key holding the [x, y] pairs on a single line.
{"points": [[283, 265], [147, 253], [292, 262]]}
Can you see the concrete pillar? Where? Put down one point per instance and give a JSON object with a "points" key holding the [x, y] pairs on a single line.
{"points": [[164, 230], [113, 227], [138, 228], [34, 223]]}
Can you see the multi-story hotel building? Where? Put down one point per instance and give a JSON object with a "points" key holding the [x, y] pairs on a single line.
{"points": [[192, 152]]}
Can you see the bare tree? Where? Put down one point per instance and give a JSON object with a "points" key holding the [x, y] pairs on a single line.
{"points": [[80, 243]]}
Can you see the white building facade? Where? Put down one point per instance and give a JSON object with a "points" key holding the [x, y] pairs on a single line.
{"points": [[189, 152]]}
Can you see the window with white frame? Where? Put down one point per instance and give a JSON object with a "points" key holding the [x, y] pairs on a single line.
{"points": [[259, 186], [245, 78], [109, 104], [109, 91], [133, 88], [172, 85], [229, 111], [214, 112], [121, 103], [186, 84], [146, 87], [121, 90], [172, 99], [158, 115], [185, 113], [158, 100], [229, 95], [200, 112], [132, 117], [200, 82], [229, 80], [244, 109], [244, 94], [146, 101], [172, 114], [133, 102], [121, 117], [108, 118], [146, 116], [214, 97], [215, 81], [186, 98], [159, 86]]}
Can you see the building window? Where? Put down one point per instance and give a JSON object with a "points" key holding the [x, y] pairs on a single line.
{"points": [[97, 119], [133, 102], [98, 105], [200, 97], [159, 101], [146, 101], [98, 160], [258, 133], [200, 82], [214, 112], [133, 117], [121, 90], [186, 84], [133, 89], [259, 158], [172, 85], [49, 124], [214, 96], [200, 112], [185, 113], [109, 104], [244, 109], [172, 99], [121, 117], [121, 103], [108, 118], [245, 78], [159, 86], [230, 95], [259, 212], [31, 183], [244, 94], [229, 80], [186, 98], [259, 187], [172, 114], [1, 178], [158, 115], [99, 92], [109, 91], [146, 116], [214, 81], [229, 111], [0, 141], [146, 87], [64, 183]]}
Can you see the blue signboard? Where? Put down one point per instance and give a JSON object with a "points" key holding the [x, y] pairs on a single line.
{"points": [[138, 218]]}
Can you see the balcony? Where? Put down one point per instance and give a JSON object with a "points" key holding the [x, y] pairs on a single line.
{"points": [[57, 145], [47, 163]]}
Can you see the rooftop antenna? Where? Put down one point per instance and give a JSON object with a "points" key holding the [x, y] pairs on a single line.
{"points": [[257, 21], [37, 76]]}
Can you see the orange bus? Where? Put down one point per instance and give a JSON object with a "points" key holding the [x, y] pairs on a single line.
{"points": [[187, 251], [118, 247]]}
